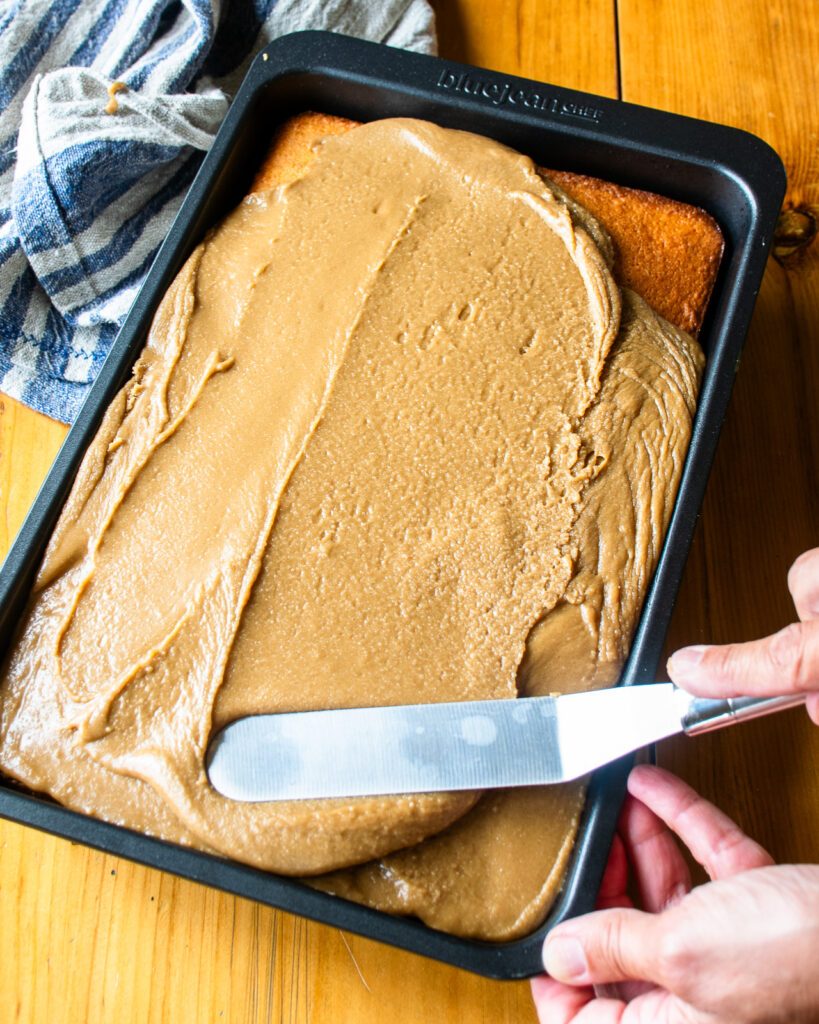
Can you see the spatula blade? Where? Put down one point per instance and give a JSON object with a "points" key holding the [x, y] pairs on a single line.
{"points": [[437, 747]]}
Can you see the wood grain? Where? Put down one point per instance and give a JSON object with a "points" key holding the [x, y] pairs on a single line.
{"points": [[90, 937], [571, 44], [753, 66], [28, 444]]}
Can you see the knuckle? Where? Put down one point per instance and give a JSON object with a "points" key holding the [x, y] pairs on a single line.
{"points": [[720, 659], [787, 651], [612, 944], [676, 961], [730, 839], [728, 661], [734, 850]]}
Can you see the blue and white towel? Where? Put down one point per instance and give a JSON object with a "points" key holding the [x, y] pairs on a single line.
{"points": [[86, 196]]}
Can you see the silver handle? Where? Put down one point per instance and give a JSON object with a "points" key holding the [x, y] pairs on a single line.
{"points": [[705, 715]]}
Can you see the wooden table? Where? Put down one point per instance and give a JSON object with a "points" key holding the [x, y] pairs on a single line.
{"points": [[87, 937]]}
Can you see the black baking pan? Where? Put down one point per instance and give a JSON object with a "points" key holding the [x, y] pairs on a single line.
{"points": [[735, 176]]}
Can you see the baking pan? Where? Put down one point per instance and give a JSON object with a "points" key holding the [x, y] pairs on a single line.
{"points": [[736, 177]]}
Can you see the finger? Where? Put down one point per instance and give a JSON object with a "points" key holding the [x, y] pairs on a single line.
{"points": [[556, 1003], [662, 874], [606, 946], [785, 663], [612, 891], [714, 840], [812, 705], [601, 1011], [803, 583], [625, 991], [659, 1006]]}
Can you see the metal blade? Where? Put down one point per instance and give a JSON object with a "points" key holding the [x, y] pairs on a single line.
{"points": [[438, 747]]}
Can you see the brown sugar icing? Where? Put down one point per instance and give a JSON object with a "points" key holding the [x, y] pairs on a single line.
{"points": [[391, 439]]}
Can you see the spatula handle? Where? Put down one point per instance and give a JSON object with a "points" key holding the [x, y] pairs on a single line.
{"points": [[705, 715]]}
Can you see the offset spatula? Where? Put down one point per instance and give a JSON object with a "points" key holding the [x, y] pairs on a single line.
{"points": [[422, 748]]}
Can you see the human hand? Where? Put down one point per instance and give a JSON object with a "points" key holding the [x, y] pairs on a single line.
{"points": [[738, 950], [785, 663]]}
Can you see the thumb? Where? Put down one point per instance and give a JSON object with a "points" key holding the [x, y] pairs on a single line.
{"points": [[609, 945], [785, 663]]}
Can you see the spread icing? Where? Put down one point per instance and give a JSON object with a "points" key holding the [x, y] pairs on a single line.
{"points": [[381, 447]]}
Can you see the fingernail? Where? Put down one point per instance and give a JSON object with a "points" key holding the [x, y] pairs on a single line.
{"points": [[684, 662], [565, 960]]}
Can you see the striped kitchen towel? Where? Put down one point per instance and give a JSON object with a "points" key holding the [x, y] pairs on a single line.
{"points": [[87, 191]]}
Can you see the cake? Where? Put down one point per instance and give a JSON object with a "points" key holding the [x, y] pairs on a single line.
{"points": [[403, 430]]}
